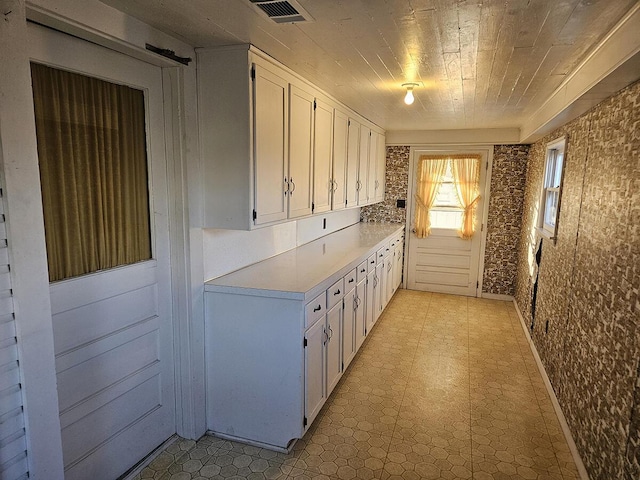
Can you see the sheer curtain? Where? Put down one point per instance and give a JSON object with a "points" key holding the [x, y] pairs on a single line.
{"points": [[93, 170], [466, 174], [431, 169]]}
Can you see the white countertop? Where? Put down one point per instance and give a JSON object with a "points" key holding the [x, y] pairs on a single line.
{"points": [[301, 273]]}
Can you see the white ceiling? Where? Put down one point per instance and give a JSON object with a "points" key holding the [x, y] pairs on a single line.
{"points": [[484, 63]]}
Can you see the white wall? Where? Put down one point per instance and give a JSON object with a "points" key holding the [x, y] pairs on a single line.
{"points": [[228, 250]]}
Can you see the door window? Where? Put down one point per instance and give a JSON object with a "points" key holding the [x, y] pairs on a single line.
{"points": [[93, 172]]}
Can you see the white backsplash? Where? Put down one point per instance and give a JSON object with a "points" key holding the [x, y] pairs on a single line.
{"points": [[226, 251]]}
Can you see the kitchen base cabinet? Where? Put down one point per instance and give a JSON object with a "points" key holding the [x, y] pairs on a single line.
{"points": [[280, 333]]}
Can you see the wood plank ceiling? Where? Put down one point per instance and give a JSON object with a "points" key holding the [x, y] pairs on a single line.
{"points": [[484, 63]]}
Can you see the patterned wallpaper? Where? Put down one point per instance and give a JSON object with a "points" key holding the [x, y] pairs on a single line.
{"points": [[505, 218], [588, 309], [396, 185]]}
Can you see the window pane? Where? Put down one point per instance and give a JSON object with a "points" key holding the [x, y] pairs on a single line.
{"points": [[440, 218], [557, 170], [93, 170], [550, 207]]}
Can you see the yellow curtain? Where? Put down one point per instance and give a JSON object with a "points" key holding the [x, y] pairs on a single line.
{"points": [[431, 169], [93, 170], [466, 175]]}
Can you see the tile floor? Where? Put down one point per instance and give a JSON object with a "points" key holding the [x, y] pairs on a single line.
{"points": [[444, 387]]}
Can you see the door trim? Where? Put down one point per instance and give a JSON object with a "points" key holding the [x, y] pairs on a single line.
{"points": [[486, 150]]}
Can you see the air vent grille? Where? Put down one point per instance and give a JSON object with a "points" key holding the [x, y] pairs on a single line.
{"points": [[282, 11]]}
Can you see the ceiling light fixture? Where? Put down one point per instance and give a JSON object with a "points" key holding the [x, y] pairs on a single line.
{"points": [[408, 98]]}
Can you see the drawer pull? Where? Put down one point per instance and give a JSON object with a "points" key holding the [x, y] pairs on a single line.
{"points": [[351, 280], [372, 262], [318, 308], [337, 292], [363, 270]]}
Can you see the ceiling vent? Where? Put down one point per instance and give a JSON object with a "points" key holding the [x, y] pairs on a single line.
{"points": [[283, 12]]}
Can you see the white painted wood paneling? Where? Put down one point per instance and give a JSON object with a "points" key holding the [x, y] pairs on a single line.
{"points": [[13, 444]]}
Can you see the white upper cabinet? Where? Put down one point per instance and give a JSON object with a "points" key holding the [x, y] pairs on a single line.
{"points": [[322, 158], [300, 178], [267, 154], [271, 159], [340, 143], [381, 162], [363, 166], [353, 149]]}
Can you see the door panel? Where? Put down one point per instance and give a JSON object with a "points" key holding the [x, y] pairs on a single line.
{"points": [[322, 147], [340, 138], [314, 364], [353, 145], [112, 329], [443, 262], [334, 346], [363, 166], [300, 152], [271, 156]]}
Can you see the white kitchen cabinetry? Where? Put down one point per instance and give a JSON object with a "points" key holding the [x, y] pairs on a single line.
{"points": [[322, 158], [380, 162], [257, 142], [278, 333], [339, 172], [353, 152], [363, 166], [300, 153]]}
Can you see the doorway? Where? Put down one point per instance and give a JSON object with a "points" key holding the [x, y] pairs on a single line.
{"points": [[112, 325], [442, 261]]}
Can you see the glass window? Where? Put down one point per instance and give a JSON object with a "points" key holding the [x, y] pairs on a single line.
{"points": [[550, 198]]}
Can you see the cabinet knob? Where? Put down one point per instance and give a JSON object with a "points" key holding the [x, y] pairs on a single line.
{"points": [[351, 280], [318, 308], [337, 292], [363, 270]]}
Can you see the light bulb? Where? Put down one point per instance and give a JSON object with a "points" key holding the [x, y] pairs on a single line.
{"points": [[408, 98]]}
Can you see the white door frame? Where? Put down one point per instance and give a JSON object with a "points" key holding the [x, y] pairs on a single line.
{"points": [[96, 22], [436, 149]]}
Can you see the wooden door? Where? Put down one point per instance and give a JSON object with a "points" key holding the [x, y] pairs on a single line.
{"points": [[353, 145], [444, 262], [271, 156], [339, 171], [322, 158], [300, 152], [334, 346], [364, 166], [315, 370], [112, 328]]}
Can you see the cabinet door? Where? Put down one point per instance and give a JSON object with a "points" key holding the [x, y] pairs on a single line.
{"points": [[322, 146], [353, 144], [397, 270], [270, 99], [379, 292], [314, 366], [334, 346], [363, 166], [349, 328], [373, 165], [381, 167], [300, 152], [370, 301], [388, 282], [339, 171], [360, 310]]}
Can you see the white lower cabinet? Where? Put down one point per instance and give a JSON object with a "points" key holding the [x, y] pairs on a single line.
{"points": [[275, 351], [314, 371]]}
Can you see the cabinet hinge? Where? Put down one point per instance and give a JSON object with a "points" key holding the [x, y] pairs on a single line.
{"points": [[486, 166], [482, 227], [255, 214], [314, 104], [478, 284], [253, 73], [304, 342], [313, 207], [348, 123], [343, 366], [304, 422]]}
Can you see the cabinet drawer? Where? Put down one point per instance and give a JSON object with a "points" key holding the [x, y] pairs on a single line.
{"points": [[361, 271], [315, 310], [350, 280], [371, 263], [335, 293]]}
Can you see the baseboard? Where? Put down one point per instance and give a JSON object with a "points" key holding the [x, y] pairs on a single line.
{"points": [[554, 400], [138, 467], [497, 296]]}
